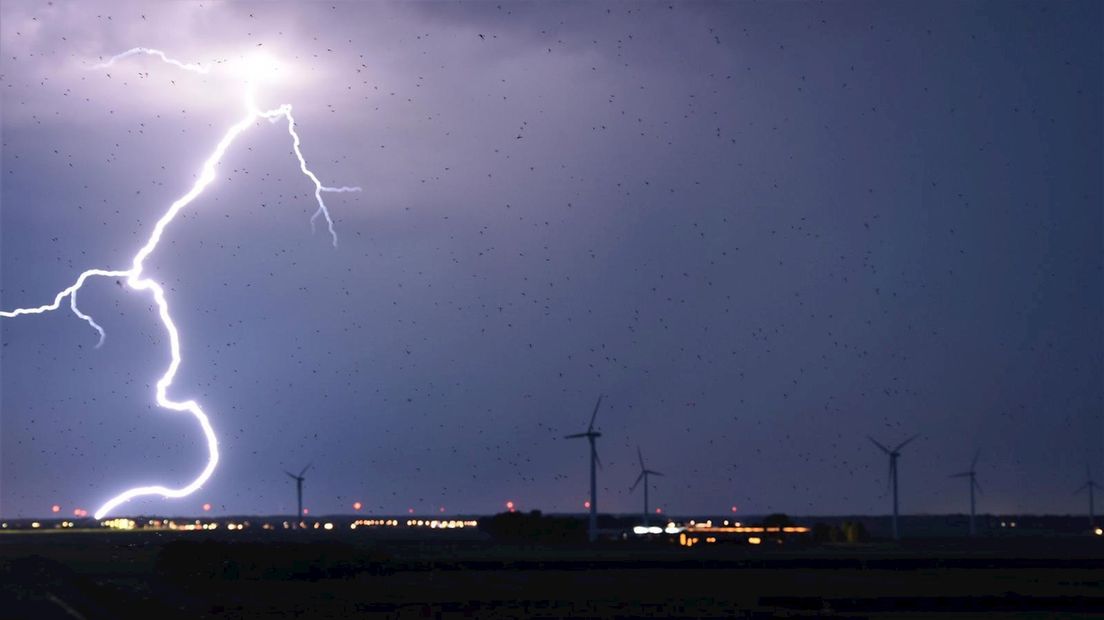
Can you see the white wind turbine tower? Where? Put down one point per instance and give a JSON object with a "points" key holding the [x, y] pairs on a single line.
{"points": [[644, 473], [591, 435], [893, 454], [974, 486], [298, 491], [1090, 485]]}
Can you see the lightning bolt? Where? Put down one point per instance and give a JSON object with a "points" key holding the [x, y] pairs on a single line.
{"points": [[135, 273], [134, 51]]}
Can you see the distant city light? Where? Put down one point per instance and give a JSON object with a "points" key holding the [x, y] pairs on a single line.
{"points": [[356, 505], [206, 508], [1099, 532], [119, 524], [432, 524], [55, 508], [755, 540]]}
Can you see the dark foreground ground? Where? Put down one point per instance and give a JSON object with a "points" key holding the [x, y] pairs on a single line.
{"points": [[165, 576]]}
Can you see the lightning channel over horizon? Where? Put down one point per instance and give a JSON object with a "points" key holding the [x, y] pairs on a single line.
{"points": [[135, 273]]}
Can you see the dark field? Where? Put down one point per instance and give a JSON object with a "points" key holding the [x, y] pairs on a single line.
{"points": [[168, 575]]}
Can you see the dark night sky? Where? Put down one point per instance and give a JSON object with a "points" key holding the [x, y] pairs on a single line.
{"points": [[762, 230]]}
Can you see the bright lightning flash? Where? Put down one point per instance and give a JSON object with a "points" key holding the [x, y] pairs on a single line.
{"points": [[251, 70], [257, 67]]}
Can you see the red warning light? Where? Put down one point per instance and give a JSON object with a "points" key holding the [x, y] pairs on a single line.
{"points": [[356, 505], [306, 511], [510, 505], [55, 508], [586, 504], [206, 508], [734, 508], [659, 511]]}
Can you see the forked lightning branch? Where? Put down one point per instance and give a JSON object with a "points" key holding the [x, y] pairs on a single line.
{"points": [[251, 71]]}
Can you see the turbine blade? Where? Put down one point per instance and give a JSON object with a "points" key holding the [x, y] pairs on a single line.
{"points": [[973, 463], [638, 479], [1082, 488], [654, 473], [595, 414], [305, 469], [576, 435], [290, 474], [597, 459], [880, 446], [641, 455], [906, 442], [976, 485]]}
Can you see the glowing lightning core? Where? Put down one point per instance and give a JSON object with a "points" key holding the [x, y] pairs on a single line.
{"points": [[134, 275]]}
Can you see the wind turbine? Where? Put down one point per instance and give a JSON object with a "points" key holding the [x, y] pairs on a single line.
{"points": [[591, 435], [1090, 485], [893, 454], [644, 473], [974, 486], [298, 490]]}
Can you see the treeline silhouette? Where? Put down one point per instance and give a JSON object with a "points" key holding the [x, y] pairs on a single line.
{"points": [[534, 526], [846, 532]]}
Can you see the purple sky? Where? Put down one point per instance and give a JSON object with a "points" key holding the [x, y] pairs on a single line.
{"points": [[761, 230]]}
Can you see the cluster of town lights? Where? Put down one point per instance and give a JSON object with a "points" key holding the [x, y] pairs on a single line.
{"points": [[433, 524], [373, 523], [690, 534], [121, 523], [655, 529]]}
